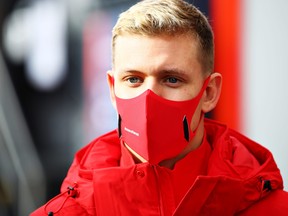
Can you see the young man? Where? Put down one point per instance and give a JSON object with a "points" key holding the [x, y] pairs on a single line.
{"points": [[165, 158]]}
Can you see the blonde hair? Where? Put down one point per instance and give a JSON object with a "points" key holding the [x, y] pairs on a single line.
{"points": [[168, 17]]}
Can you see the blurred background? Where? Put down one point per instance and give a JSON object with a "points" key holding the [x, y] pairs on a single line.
{"points": [[54, 99]]}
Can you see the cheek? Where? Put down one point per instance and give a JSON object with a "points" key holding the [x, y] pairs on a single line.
{"points": [[119, 91], [189, 91], [181, 94], [124, 92]]}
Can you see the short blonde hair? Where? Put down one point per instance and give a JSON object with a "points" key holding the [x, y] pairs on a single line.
{"points": [[168, 17]]}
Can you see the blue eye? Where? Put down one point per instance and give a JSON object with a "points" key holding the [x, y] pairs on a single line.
{"points": [[133, 80], [172, 80]]}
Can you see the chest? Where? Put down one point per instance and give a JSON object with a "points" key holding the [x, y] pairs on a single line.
{"points": [[146, 190]]}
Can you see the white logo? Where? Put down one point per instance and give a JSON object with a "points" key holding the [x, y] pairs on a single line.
{"points": [[131, 131]]}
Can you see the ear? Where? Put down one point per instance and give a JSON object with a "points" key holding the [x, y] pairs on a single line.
{"points": [[110, 80], [212, 93]]}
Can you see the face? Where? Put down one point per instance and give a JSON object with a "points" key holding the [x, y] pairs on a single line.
{"points": [[166, 65]]}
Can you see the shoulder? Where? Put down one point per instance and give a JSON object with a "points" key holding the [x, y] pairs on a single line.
{"points": [[107, 145], [103, 151], [273, 204], [109, 139], [227, 140]]}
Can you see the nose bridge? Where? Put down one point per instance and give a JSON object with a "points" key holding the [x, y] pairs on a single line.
{"points": [[154, 86]]}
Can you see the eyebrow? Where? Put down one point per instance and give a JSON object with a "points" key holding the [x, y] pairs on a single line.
{"points": [[163, 72], [176, 71]]}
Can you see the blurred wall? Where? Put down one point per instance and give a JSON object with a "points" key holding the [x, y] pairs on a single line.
{"points": [[265, 75]]}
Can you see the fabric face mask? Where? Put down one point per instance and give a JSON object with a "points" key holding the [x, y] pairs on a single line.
{"points": [[154, 127]]}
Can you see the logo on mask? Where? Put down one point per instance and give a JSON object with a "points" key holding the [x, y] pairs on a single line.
{"points": [[131, 131]]}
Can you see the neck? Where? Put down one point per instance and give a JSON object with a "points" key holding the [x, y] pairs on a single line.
{"points": [[137, 158]]}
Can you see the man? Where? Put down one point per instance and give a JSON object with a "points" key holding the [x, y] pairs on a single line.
{"points": [[165, 158]]}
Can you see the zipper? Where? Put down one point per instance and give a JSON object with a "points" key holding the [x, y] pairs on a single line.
{"points": [[161, 211]]}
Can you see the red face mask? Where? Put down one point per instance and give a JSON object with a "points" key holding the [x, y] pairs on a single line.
{"points": [[156, 128]]}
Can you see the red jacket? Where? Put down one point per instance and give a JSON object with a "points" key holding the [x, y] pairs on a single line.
{"points": [[242, 179]]}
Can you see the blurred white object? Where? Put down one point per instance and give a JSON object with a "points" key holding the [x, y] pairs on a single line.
{"points": [[37, 36], [16, 35]]}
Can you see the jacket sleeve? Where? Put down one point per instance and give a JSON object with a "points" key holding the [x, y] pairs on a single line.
{"points": [[61, 206], [67, 202]]}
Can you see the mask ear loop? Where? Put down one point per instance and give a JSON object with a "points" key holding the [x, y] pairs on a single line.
{"points": [[186, 127], [186, 131]]}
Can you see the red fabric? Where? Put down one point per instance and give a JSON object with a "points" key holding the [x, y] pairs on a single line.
{"points": [[242, 179], [186, 170], [183, 174]]}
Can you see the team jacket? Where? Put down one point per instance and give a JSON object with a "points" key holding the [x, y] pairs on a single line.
{"points": [[99, 184]]}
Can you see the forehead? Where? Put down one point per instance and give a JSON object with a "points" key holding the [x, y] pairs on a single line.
{"points": [[189, 38], [179, 51]]}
